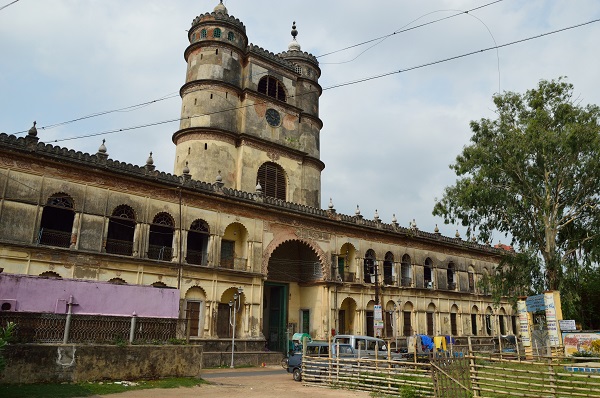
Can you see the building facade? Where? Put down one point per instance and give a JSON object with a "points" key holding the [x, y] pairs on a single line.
{"points": [[242, 210]]}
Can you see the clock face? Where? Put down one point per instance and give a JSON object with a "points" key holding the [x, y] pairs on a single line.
{"points": [[273, 117]]}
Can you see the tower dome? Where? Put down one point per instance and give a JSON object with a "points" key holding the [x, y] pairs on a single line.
{"points": [[220, 8]]}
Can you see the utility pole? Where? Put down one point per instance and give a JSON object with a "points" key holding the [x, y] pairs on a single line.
{"points": [[376, 283]]}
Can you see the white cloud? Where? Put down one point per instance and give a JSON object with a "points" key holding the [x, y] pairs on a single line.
{"points": [[386, 143]]}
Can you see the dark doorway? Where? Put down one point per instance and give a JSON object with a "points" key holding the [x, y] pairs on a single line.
{"points": [[407, 324], [370, 326], [193, 317], [430, 324], [342, 322], [275, 315], [474, 324], [223, 326], [453, 325]]}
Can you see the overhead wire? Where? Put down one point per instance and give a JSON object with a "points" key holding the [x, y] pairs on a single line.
{"points": [[173, 95], [352, 82], [402, 30], [9, 4]]}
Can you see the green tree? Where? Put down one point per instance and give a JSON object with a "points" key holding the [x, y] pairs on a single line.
{"points": [[5, 337], [532, 173]]}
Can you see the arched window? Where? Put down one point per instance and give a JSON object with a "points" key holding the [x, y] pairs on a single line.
{"points": [[197, 243], [369, 266], [388, 267], [217, 32], [119, 239], [230, 36], [451, 276], [203, 33], [272, 180], [428, 273], [161, 237], [406, 271], [272, 87], [57, 221]]}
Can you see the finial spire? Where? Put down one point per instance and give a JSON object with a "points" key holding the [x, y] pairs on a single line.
{"points": [[294, 45]]}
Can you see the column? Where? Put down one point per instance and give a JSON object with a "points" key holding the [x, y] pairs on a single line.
{"points": [[175, 246], [184, 236], [207, 318], [75, 230], [105, 234], [136, 239]]}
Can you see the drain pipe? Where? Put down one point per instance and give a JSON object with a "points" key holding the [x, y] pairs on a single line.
{"points": [[70, 305]]}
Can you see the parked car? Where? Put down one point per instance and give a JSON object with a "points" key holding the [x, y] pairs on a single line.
{"points": [[318, 349], [365, 346]]}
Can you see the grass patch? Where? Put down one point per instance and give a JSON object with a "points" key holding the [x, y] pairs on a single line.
{"points": [[70, 390]]}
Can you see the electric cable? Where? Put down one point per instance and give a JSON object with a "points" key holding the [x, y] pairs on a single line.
{"points": [[173, 95], [352, 82]]}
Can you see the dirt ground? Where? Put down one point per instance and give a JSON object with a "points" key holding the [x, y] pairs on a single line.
{"points": [[270, 381]]}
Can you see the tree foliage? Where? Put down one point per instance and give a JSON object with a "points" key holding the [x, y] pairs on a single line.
{"points": [[532, 173], [5, 337]]}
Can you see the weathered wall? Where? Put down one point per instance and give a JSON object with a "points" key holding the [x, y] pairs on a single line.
{"points": [[33, 294], [77, 363]]}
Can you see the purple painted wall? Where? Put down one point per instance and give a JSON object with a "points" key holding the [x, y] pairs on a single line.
{"points": [[25, 293]]}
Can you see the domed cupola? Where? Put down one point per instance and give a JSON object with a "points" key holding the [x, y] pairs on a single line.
{"points": [[220, 8]]}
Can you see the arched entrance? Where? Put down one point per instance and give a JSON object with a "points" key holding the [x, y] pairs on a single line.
{"points": [[346, 316], [290, 293]]}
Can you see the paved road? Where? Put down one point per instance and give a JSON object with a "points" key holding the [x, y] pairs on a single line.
{"points": [[271, 381]]}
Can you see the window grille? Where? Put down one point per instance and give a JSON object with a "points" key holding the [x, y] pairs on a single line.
{"points": [[230, 36], [272, 179], [217, 33], [203, 33], [124, 211], [163, 219], [272, 87]]}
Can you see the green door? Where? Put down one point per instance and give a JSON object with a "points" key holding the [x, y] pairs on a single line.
{"points": [[276, 313]]}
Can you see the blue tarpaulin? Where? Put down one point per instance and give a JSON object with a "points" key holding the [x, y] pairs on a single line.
{"points": [[426, 342]]}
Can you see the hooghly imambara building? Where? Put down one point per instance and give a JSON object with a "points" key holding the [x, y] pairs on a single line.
{"points": [[242, 209]]}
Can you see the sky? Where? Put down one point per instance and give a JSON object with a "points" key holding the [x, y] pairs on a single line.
{"points": [[387, 143]]}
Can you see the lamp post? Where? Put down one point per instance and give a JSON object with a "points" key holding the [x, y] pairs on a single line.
{"points": [[234, 307]]}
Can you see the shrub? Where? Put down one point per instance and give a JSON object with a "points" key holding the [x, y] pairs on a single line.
{"points": [[6, 335]]}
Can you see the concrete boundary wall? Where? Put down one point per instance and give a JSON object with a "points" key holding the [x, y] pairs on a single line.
{"points": [[48, 363]]}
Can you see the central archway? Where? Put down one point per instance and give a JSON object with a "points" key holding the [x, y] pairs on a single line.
{"points": [[293, 271]]}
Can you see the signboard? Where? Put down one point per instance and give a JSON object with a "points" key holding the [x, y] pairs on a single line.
{"points": [[578, 342], [567, 324], [524, 323], [551, 321], [535, 303], [378, 320]]}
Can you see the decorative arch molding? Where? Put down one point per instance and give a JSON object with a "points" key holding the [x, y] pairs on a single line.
{"points": [[232, 225], [283, 238], [50, 274], [125, 211], [61, 199], [194, 291], [349, 301], [228, 294]]}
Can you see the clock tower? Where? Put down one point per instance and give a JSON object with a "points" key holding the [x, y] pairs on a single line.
{"points": [[249, 115]]}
